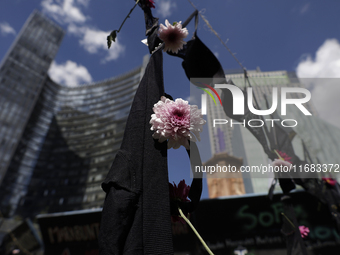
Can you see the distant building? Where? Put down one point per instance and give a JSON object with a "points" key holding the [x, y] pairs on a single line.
{"points": [[320, 138], [56, 143], [222, 184]]}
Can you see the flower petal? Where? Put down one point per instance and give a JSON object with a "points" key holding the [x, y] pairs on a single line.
{"points": [[176, 121]]}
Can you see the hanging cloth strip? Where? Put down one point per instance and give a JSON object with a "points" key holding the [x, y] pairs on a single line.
{"points": [[136, 214], [290, 229]]}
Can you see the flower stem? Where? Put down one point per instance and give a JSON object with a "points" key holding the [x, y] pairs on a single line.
{"points": [[279, 155], [128, 16], [195, 231], [291, 223]]}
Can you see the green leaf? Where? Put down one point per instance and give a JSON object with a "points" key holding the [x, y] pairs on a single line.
{"points": [[111, 37]]}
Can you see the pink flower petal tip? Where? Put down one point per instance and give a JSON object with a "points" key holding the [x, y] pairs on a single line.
{"points": [[304, 231]]}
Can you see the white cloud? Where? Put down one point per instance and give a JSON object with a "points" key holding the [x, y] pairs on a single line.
{"points": [[6, 29], [324, 88], [325, 97], [326, 63], [70, 73], [165, 7], [95, 41], [74, 30], [65, 11], [92, 40], [84, 2]]}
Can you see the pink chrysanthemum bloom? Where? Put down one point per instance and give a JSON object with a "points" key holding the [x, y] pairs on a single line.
{"points": [[304, 231], [330, 181], [179, 193], [150, 3], [176, 121], [172, 36]]}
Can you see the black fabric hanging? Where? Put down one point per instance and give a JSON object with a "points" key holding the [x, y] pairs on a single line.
{"points": [[136, 216], [326, 193], [198, 60], [290, 229], [261, 134], [195, 187]]}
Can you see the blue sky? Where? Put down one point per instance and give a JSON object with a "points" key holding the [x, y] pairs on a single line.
{"points": [[273, 35]]}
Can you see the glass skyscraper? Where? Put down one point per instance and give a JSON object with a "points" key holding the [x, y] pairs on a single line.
{"points": [[22, 76], [56, 143]]}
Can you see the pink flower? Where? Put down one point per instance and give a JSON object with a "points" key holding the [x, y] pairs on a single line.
{"points": [[150, 3], [285, 157], [330, 181], [179, 193], [304, 231], [172, 36], [176, 121]]}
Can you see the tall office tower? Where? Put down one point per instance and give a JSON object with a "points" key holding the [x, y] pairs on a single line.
{"points": [[220, 137], [22, 75], [80, 130], [321, 139], [66, 146]]}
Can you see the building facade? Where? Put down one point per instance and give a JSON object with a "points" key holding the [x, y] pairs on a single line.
{"points": [[222, 184], [22, 75], [63, 148]]}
